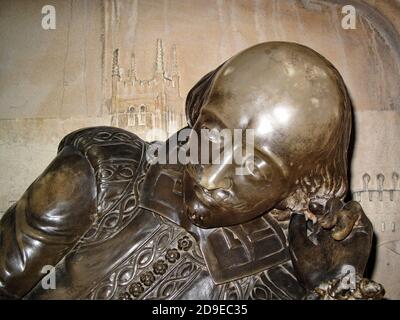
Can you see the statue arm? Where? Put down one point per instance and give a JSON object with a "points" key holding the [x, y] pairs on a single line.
{"points": [[46, 222]]}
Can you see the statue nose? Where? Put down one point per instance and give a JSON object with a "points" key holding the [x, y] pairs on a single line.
{"points": [[218, 175]]}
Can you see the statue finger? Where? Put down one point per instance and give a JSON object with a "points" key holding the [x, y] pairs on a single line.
{"points": [[298, 239], [329, 220], [346, 219]]}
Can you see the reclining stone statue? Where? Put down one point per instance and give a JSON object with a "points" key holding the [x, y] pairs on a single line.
{"points": [[116, 224]]}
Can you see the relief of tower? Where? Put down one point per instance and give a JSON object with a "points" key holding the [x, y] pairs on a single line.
{"points": [[153, 105]]}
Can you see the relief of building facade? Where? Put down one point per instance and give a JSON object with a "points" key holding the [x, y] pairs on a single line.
{"points": [[152, 108]]}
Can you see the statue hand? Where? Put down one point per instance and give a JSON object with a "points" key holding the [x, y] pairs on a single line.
{"points": [[338, 244], [341, 218]]}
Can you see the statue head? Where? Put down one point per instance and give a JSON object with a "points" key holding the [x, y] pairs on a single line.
{"points": [[298, 108]]}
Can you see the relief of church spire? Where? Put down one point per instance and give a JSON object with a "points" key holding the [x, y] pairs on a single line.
{"points": [[132, 71], [115, 63], [160, 57], [174, 66]]}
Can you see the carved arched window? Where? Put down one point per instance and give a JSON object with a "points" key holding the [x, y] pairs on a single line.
{"points": [[142, 115], [131, 116]]}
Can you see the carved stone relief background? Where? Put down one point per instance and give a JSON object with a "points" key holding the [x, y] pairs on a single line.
{"points": [[131, 64]]}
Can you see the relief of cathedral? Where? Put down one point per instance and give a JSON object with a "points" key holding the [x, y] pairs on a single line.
{"points": [[152, 108]]}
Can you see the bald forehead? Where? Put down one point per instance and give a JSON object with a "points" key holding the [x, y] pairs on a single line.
{"points": [[290, 58], [276, 70], [287, 93]]}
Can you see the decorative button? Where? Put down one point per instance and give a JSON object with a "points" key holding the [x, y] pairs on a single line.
{"points": [[172, 255], [160, 267], [136, 289], [184, 243], [147, 278], [125, 296]]}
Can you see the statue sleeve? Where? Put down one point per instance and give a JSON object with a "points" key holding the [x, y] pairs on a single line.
{"points": [[46, 222]]}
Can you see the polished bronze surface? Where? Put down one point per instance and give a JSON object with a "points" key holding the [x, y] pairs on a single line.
{"points": [[298, 107], [116, 225]]}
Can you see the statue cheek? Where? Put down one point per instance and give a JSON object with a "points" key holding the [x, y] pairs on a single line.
{"points": [[273, 193]]}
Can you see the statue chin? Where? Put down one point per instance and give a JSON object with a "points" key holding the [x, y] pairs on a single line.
{"points": [[204, 217], [198, 212]]}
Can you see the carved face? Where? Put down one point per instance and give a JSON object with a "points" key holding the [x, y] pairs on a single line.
{"points": [[216, 195], [289, 96]]}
